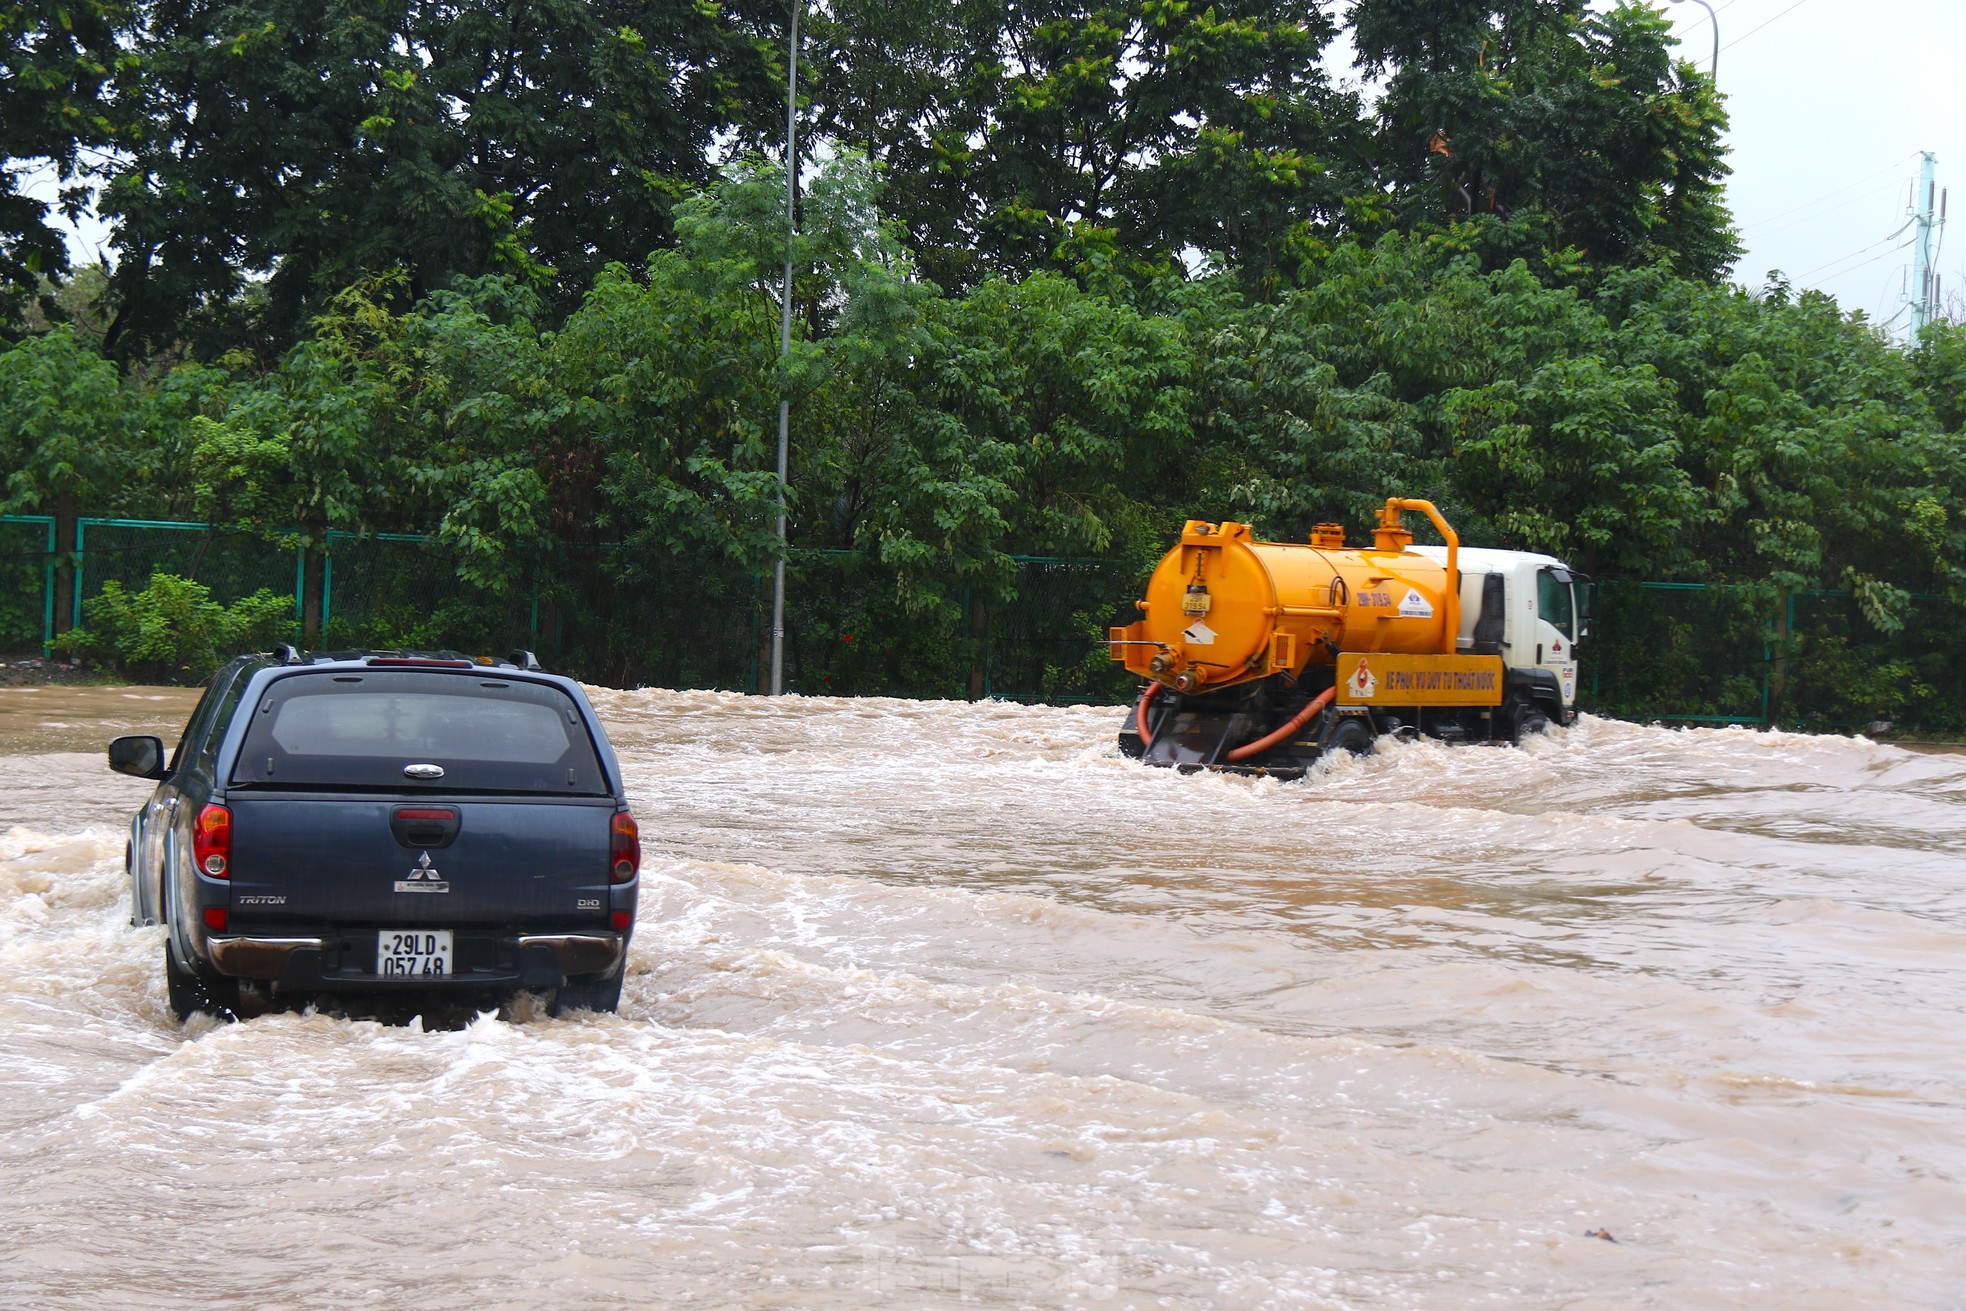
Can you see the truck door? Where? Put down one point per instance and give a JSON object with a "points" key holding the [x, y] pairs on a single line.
{"points": [[1556, 629]]}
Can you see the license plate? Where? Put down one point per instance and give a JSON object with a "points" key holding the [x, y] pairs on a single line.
{"points": [[405, 953]]}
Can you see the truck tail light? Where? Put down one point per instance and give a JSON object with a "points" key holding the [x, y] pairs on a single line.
{"points": [[627, 847], [211, 841]]}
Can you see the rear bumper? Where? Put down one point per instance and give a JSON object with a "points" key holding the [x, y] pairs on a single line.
{"points": [[345, 963]]}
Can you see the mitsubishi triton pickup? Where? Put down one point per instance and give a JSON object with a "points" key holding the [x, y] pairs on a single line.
{"points": [[384, 823]]}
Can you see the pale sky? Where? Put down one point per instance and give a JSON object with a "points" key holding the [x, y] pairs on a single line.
{"points": [[1831, 101]]}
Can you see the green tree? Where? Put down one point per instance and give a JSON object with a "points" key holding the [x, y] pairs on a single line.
{"points": [[1562, 126], [172, 631], [1938, 363], [1175, 127], [288, 149], [1803, 426], [1404, 369], [313, 448], [68, 440], [61, 64]]}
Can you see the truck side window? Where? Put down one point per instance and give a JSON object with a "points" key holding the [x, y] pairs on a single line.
{"points": [[201, 716], [228, 690], [1553, 602]]}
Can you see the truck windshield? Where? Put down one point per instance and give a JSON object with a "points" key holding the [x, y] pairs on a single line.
{"points": [[345, 729], [1553, 602]]}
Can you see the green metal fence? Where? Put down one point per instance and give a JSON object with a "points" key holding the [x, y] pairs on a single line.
{"points": [[27, 581], [129, 551], [610, 614], [1752, 654], [1683, 652]]}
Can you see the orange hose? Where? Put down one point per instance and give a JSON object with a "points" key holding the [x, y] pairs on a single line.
{"points": [[1140, 716], [1297, 721]]}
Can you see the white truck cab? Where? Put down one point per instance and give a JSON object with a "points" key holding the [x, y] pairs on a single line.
{"points": [[1529, 609]]}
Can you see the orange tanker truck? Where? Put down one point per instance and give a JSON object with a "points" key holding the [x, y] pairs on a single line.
{"points": [[1262, 656]]}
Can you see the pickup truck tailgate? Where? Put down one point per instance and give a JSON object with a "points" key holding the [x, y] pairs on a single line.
{"points": [[300, 861]]}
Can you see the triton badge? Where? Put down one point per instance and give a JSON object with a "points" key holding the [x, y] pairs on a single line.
{"points": [[423, 878]]}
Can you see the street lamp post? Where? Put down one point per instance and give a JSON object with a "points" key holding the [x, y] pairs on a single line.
{"points": [[1713, 67], [785, 350]]}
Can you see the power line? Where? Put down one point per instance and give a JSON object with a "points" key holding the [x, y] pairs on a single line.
{"points": [[1752, 30], [1831, 195], [1859, 251], [1854, 267], [1884, 297], [1811, 218]]}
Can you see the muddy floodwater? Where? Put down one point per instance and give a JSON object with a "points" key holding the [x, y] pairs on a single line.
{"points": [[940, 1005]]}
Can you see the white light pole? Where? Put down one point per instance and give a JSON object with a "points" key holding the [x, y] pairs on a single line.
{"points": [[785, 350], [1713, 68]]}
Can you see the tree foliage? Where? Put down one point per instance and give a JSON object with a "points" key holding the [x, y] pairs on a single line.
{"points": [[171, 630], [304, 146], [68, 428], [1066, 274], [1172, 125], [62, 65], [1573, 128]]}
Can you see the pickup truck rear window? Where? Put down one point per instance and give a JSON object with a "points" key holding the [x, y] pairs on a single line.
{"points": [[346, 729]]}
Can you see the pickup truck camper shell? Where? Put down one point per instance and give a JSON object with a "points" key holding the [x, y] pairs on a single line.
{"points": [[385, 822]]}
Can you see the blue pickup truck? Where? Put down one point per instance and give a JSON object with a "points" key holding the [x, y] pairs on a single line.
{"points": [[384, 822]]}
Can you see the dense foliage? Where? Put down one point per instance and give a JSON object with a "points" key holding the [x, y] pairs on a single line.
{"points": [[1068, 274], [172, 630]]}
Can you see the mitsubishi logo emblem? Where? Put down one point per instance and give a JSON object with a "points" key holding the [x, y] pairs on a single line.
{"points": [[423, 877]]}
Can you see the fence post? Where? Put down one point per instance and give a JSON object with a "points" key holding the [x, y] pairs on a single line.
{"points": [[300, 591], [68, 613], [68, 582], [313, 577], [979, 636], [48, 596], [1776, 692], [760, 677]]}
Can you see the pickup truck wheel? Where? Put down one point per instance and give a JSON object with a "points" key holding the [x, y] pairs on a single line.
{"points": [[588, 994], [190, 993]]}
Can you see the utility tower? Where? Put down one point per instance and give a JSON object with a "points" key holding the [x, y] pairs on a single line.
{"points": [[1929, 214]]}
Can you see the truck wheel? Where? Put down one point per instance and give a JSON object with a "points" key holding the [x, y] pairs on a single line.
{"points": [[190, 993], [1530, 720], [1349, 734], [602, 995]]}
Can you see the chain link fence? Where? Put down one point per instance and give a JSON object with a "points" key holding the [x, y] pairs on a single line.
{"points": [[1679, 652], [1747, 654], [129, 551], [611, 615], [1844, 668], [27, 582]]}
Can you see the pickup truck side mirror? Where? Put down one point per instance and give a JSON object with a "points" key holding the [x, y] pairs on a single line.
{"points": [[139, 757]]}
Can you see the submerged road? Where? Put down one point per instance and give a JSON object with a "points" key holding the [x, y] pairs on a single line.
{"points": [[938, 1005]]}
